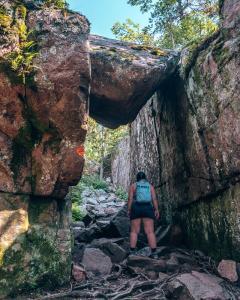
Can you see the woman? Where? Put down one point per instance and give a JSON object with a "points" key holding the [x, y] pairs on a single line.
{"points": [[142, 206]]}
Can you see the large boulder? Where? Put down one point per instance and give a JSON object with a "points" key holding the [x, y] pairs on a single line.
{"points": [[116, 253], [42, 124], [197, 286], [124, 77], [119, 225], [42, 127]]}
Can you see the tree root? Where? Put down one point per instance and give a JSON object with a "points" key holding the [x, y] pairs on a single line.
{"points": [[116, 275], [135, 286]]}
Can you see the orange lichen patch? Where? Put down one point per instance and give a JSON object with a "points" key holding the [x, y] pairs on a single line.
{"points": [[80, 150]]}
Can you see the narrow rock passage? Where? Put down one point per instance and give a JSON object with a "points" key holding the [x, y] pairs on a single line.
{"points": [[103, 268]]}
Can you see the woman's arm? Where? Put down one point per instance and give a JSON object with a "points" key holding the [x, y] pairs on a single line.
{"points": [[155, 202], [130, 198]]}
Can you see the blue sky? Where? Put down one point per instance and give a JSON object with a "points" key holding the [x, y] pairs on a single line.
{"points": [[104, 13]]}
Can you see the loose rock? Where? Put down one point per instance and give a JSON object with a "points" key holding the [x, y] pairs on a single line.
{"points": [[96, 261], [78, 273], [228, 269]]}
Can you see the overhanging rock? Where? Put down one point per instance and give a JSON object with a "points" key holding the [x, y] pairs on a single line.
{"points": [[124, 77]]}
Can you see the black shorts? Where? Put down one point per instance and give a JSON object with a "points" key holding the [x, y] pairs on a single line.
{"points": [[142, 210]]}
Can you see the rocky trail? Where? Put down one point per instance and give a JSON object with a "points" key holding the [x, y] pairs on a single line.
{"points": [[103, 269]]}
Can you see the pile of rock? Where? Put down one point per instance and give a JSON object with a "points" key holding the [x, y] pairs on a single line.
{"points": [[100, 204], [102, 231], [101, 257]]}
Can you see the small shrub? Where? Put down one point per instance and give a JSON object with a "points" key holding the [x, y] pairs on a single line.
{"points": [[93, 181], [121, 193], [76, 193], [77, 214]]}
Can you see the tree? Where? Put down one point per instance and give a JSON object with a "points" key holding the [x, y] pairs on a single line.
{"points": [[180, 21], [101, 140], [132, 32]]}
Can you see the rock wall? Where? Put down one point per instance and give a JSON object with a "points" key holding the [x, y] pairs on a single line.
{"points": [[120, 164], [35, 243], [186, 139], [42, 124]]}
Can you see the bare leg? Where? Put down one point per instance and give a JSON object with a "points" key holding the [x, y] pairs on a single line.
{"points": [[149, 230], [135, 229]]}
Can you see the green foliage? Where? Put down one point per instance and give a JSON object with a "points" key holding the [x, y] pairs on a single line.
{"points": [[87, 181], [121, 193], [76, 193], [101, 141], [176, 22], [93, 181], [193, 28], [132, 32], [21, 60], [77, 214], [61, 4]]}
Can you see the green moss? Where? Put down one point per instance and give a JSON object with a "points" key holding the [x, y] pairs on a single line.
{"points": [[6, 69], [158, 52], [36, 207], [153, 50], [61, 4], [195, 48], [21, 149], [212, 225], [36, 264], [221, 54]]}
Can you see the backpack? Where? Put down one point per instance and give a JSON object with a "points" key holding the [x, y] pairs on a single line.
{"points": [[143, 192]]}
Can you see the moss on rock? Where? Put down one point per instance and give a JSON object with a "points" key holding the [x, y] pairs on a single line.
{"points": [[35, 259], [212, 226]]}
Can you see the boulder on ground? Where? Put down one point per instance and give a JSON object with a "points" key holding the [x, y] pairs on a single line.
{"points": [[146, 263], [88, 219], [96, 261], [196, 286], [77, 252], [120, 224], [78, 224], [183, 258], [87, 235], [228, 269], [116, 253], [172, 264]]}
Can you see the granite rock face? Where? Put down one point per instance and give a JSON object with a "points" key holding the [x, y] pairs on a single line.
{"points": [[35, 243], [124, 77], [120, 164], [186, 139], [41, 126]]}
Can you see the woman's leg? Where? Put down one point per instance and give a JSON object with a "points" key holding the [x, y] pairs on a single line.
{"points": [[135, 229], [149, 230]]}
